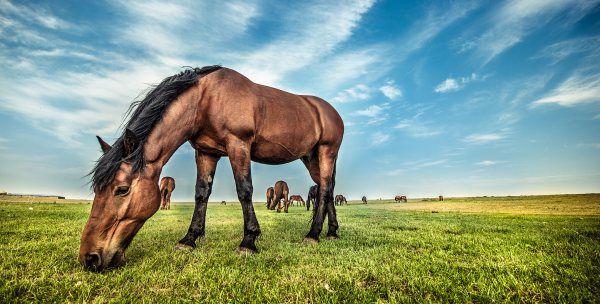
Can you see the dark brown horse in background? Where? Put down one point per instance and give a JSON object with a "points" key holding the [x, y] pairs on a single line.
{"points": [[400, 198], [340, 200], [280, 193], [364, 199], [298, 199], [220, 113], [270, 195], [167, 185], [313, 193]]}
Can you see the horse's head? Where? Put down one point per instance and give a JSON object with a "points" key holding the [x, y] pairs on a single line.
{"points": [[119, 210]]}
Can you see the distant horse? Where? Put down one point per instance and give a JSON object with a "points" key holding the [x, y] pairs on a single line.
{"points": [[399, 198], [340, 200], [364, 199], [312, 197], [220, 113], [298, 199], [281, 192], [223, 203], [441, 198], [270, 196], [167, 185]]}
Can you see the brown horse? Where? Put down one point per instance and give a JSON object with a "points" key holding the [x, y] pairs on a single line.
{"points": [[399, 198], [167, 185], [313, 192], [270, 196], [281, 192], [298, 199], [340, 200], [364, 199], [220, 113], [223, 203]]}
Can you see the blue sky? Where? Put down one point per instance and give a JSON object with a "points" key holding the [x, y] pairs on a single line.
{"points": [[438, 97]]}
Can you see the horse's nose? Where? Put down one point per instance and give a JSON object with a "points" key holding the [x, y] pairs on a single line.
{"points": [[92, 261]]}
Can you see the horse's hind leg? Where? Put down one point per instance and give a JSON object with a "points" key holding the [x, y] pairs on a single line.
{"points": [[239, 156], [206, 166], [326, 167]]}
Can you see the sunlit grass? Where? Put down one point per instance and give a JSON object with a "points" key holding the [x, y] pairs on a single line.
{"points": [[480, 249]]}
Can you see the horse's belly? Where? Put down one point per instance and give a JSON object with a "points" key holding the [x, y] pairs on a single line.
{"points": [[274, 153]]}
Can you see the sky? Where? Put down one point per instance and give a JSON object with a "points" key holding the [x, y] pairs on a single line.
{"points": [[454, 98]]}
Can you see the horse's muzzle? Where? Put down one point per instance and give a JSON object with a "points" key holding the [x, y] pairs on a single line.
{"points": [[92, 261]]}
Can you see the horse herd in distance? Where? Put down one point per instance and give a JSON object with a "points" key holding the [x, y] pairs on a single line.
{"points": [[277, 196]]}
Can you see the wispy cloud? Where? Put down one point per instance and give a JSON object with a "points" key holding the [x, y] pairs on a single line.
{"points": [[482, 138], [455, 84], [577, 89], [561, 50], [391, 90], [357, 92], [415, 128], [33, 13], [379, 138], [314, 32], [426, 164], [516, 19], [373, 110], [486, 163]]}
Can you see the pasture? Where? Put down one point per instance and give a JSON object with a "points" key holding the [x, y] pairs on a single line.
{"points": [[517, 249]]}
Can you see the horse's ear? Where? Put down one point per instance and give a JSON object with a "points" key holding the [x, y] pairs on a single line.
{"points": [[130, 142], [103, 145]]}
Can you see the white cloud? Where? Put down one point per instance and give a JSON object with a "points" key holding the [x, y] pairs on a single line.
{"points": [[315, 31], [390, 90], [486, 163], [379, 138], [484, 138], [35, 14], [567, 48], [577, 89], [452, 84], [357, 92], [516, 19], [373, 110], [447, 85], [430, 163], [413, 127]]}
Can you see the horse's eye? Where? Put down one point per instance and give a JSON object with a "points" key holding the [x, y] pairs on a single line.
{"points": [[122, 191]]}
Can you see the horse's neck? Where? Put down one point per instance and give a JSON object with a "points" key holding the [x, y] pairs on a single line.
{"points": [[176, 126]]}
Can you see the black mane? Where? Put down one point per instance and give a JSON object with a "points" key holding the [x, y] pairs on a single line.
{"points": [[145, 114]]}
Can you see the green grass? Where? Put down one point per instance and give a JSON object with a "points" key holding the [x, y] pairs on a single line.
{"points": [[387, 252]]}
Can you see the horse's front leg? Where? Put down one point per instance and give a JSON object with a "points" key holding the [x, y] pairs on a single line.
{"points": [[206, 166], [239, 156]]}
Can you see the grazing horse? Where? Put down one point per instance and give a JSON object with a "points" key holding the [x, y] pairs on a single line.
{"points": [[298, 199], [364, 199], [399, 198], [312, 197], [220, 113], [270, 195], [340, 200], [224, 203], [167, 185], [281, 192]]}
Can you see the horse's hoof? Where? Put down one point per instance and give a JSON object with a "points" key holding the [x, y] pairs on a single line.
{"points": [[310, 241], [245, 251], [333, 237], [180, 246]]}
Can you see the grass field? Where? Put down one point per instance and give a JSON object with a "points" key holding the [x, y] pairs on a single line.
{"points": [[517, 249]]}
